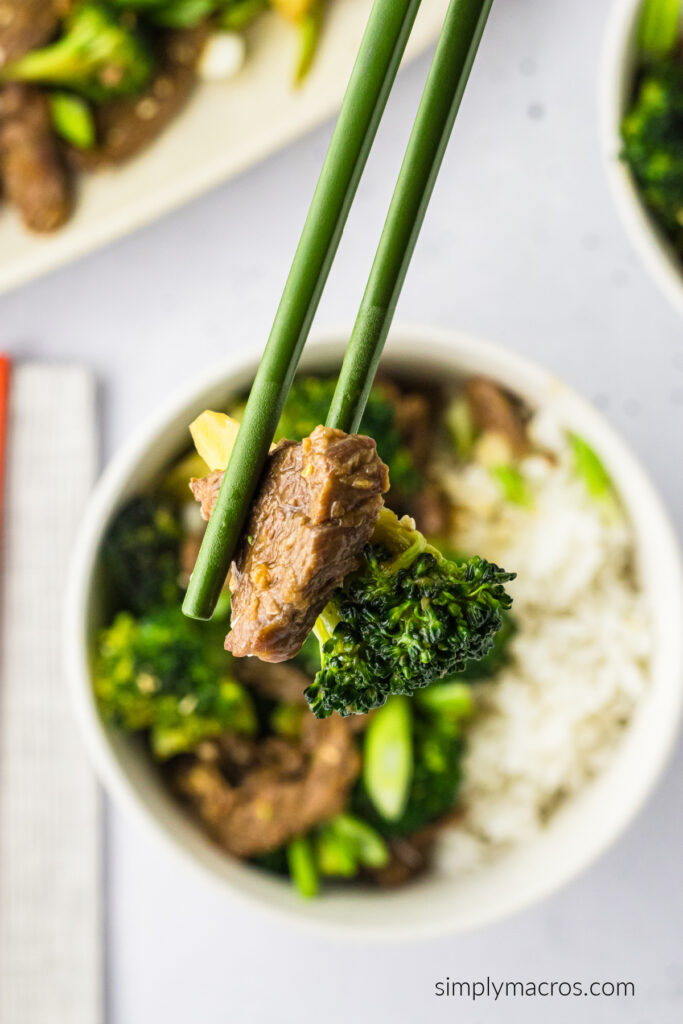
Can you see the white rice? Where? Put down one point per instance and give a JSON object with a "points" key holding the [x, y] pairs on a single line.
{"points": [[551, 719]]}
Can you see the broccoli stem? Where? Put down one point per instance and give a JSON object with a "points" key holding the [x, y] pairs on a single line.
{"points": [[378, 60]]}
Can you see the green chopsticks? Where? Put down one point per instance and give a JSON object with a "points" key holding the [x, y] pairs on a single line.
{"points": [[371, 81], [378, 60], [457, 47]]}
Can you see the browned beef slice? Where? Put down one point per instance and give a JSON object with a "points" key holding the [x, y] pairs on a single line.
{"points": [[33, 174], [25, 25], [283, 791], [283, 682], [409, 857], [497, 411], [205, 490], [127, 125], [316, 508]]}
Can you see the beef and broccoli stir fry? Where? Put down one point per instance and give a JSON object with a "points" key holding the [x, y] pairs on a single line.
{"points": [[89, 83], [330, 794], [652, 130]]}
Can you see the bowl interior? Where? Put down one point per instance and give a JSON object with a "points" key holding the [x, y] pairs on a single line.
{"points": [[442, 901], [619, 64]]}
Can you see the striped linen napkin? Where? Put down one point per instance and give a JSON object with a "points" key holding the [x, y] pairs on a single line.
{"points": [[50, 830]]}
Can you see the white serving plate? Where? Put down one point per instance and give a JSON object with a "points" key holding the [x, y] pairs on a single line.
{"points": [[225, 129], [444, 900]]}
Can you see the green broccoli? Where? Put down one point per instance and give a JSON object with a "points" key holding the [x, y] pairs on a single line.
{"points": [[308, 404], [652, 134], [98, 56], [142, 555], [164, 674], [497, 657], [406, 617]]}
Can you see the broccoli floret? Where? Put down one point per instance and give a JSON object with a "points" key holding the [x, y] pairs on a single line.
{"points": [[497, 657], [142, 555], [308, 404], [166, 674], [406, 617], [97, 56], [652, 134]]}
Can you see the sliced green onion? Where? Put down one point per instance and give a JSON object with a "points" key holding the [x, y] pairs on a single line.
{"points": [[590, 469], [308, 32], [368, 844], [302, 867], [513, 485], [335, 854], [73, 120], [388, 762], [451, 699], [240, 14]]}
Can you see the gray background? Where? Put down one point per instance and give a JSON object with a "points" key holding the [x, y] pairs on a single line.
{"points": [[522, 245]]}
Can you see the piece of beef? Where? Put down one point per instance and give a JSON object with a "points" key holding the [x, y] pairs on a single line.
{"points": [[284, 682], [33, 174], [416, 418], [315, 511], [25, 25], [495, 411], [125, 126], [431, 510], [282, 791], [409, 857]]}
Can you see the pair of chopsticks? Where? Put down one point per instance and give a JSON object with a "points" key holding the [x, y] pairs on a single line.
{"points": [[380, 54]]}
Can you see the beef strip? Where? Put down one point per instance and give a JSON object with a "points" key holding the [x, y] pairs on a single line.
{"points": [[495, 411], [125, 126], [416, 420], [282, 791], [283, 682], [315, 511], [409, 857], [25, 25], [33, 174]]}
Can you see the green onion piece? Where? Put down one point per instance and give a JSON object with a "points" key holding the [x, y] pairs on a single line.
{"points": [[239, 15], [513, 485], [590, 469], [455, 52], [658, 29], [302, 867], [287, 721], [370, 848], [453, 700], [460, 426], [184, 13], [72, 119], [308, 32], [335, 854], [388, 762], [371, 80]]}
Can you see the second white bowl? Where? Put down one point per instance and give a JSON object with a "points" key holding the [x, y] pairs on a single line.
{"points": [[616, 84]]}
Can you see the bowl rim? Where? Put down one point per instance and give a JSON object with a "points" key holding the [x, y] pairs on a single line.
{"points": [[462, 351], [662, 263]]}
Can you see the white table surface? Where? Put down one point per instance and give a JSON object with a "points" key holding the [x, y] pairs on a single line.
{"points": [[522, 245]]}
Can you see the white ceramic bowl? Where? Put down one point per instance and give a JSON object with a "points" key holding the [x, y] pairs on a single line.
{"points": [[616, 84], [442, 901]]}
